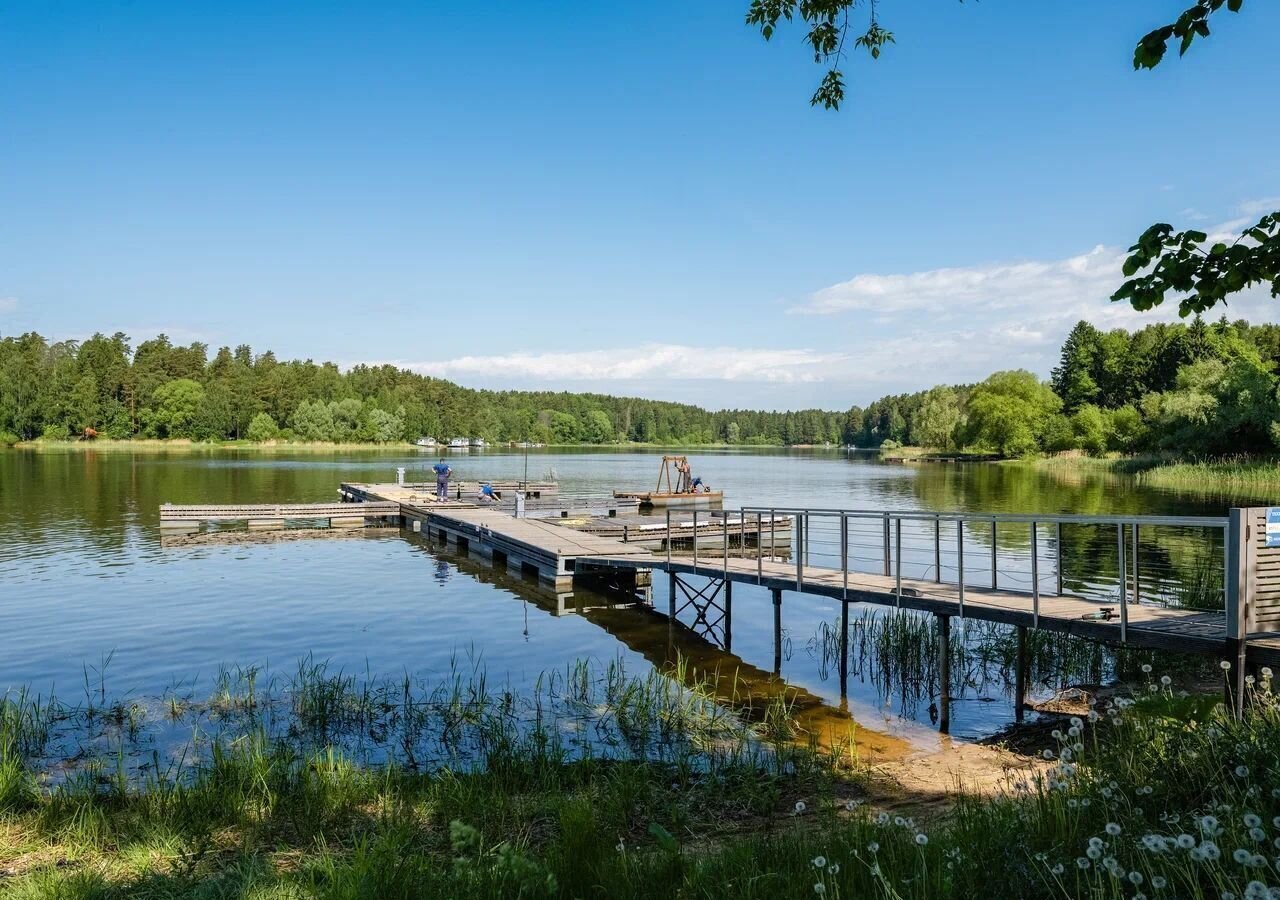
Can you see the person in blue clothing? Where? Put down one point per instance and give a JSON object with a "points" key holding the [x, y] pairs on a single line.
{"points": [[486, 493], [443, 472]]}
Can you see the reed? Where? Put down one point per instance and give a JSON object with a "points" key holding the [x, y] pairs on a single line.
{"points": [[1154, 794]]}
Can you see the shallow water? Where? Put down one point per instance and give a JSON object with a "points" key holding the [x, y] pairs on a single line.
{"points": [[88, 595]]}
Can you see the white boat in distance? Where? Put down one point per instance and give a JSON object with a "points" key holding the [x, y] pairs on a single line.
{"points": [[459, 444]]}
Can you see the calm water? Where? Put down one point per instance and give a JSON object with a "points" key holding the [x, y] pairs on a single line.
{"points": [[86, 586]]}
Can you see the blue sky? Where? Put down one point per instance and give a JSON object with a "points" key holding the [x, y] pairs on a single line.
{"points": [[634, 198]]}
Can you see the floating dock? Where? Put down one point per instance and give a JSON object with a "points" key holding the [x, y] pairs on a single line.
{"points": [[279, 515]]}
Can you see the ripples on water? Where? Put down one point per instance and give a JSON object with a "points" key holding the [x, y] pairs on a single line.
{"points": [[83, 577]]}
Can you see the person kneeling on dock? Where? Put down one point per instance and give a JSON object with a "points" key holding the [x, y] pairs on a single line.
{"points": [[486, 494], [443, 472]]}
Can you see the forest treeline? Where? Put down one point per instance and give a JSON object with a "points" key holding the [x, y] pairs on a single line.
{"points": [[162, 390], [1197, 388]]}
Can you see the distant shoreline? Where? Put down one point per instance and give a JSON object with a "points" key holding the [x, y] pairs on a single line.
{"points": [[159, 444]]}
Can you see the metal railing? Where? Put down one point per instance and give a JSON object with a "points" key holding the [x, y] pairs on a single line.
{"points": [[1019, 553]]}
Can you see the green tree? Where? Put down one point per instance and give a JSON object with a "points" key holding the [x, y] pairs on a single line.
{"points": [[262, 428], [1092, 429], [1010, 412], [176, 407], [939, 419], [597, 428], [1180, 261], [313, 421], [385, 427]]}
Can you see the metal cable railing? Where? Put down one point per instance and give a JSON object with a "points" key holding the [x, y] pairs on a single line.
{"points": [[1170, 560]]}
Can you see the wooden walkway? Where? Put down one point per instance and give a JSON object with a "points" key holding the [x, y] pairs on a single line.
{"points": [[1148, 625], [559, 554], [276, 515]]}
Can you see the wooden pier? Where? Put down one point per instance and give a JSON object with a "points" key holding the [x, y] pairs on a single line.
{"points": [[734, 548], [279, 515]]}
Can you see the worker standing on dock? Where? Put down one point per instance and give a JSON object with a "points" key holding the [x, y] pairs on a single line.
{"points": [[443, 472]]}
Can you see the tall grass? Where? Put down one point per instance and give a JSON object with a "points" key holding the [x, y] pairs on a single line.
{"points": [[1234, 478], [1157, 794], [897, 652]]}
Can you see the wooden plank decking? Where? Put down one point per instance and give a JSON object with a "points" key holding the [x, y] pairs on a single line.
{"points": [[1148, 625], [188, 516]]}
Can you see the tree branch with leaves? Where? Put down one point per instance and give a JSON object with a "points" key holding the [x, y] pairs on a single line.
{"points": [[1179, 261]]}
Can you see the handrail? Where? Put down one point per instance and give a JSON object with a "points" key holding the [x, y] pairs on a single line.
{"points": [[1025, 518]]}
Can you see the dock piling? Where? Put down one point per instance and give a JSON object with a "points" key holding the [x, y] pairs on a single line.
{"points": [[944, 674], [777, 631], [1020, 676]]}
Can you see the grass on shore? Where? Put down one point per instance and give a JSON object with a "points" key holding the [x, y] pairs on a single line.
{"points": [[1158, 795], [1244, 477]]}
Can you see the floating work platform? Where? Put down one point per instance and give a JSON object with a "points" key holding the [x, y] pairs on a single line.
{"points": [[533, 490], [278, 515], [672, 500], [767, 534]]}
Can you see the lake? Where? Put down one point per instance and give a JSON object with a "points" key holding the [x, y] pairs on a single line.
{"points": [[90, 600]]}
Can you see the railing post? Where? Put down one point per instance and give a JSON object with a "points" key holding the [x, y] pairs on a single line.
{"points": [[1239, 601], [960, 561], [844, 565], [773, 533], [1136, 597], [695, 540], [759, 551], [1058, 550], [897, 561], [668, 539], [802, 521], [995, 578], [937, 548], [1035, 576], [1124, 587], [886, 545], [725, 520]]}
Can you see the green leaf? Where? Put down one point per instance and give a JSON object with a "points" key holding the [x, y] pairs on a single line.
{"points": [[664, 838]]}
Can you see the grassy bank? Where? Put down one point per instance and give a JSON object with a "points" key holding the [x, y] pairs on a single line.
{"points": [[1246, 477], [1155, 795]]}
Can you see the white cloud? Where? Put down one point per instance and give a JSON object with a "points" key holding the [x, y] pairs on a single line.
{"points": [[895, 332], [647, 361], [985, 287]]}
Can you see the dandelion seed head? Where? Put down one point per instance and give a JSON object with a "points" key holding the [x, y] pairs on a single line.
{"points": [[922, 838], [1242, 771], [1146, 668], [1113, 829], [819, 862], [801, 806]]}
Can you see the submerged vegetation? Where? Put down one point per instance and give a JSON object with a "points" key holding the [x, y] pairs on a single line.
{"points": [[606, 785]]}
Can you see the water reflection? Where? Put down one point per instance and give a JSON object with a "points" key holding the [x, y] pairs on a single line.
{"points": [[83, 577]]}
